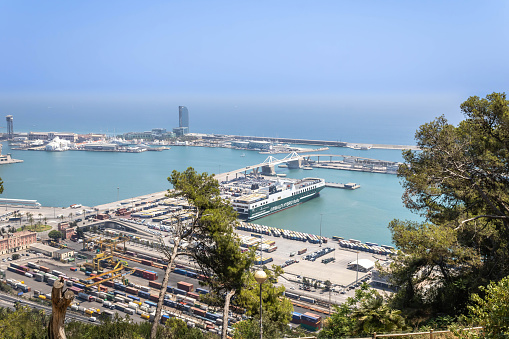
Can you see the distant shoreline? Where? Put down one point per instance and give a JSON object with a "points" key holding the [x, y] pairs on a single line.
{"points": [[325, 142]]}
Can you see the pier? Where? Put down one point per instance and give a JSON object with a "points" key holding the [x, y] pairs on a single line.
{"points": [[348, 186]]}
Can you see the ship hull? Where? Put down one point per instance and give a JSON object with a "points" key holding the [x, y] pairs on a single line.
{"points": [[280, 205]]}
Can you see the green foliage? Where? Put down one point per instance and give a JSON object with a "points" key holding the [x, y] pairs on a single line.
{"points": [[492, 311], [458, 181], [250, 329], [362, 315], [24, 322], [276, 308], [55, 235], [217, 248], [15, 256]]}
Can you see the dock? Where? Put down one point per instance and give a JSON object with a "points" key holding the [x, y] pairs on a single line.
{"points": [[348, 186]]}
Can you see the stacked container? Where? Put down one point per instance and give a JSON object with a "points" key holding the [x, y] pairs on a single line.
{"points": [[310, 321]]}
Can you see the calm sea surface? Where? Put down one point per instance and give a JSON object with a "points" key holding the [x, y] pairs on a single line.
{"points": [[93, 178]]}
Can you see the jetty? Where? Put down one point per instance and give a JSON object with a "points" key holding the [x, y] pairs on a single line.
{"points": [[348, 186]]}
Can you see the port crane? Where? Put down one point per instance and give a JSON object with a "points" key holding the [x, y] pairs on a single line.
{"points": [[114, 273]]}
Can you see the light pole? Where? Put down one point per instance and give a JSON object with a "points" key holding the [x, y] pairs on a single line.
{"points": [[357, 275], [321, 215], [118, 189], [260, 277]]}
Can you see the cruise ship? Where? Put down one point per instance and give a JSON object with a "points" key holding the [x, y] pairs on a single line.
{"points": [[266, 197]]}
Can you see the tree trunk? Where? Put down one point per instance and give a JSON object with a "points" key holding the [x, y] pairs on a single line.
{"points": [[59, 301], [226, 309], [164, 285]]}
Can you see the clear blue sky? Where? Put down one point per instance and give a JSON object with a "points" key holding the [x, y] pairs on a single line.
{"points": [[409, 60]]}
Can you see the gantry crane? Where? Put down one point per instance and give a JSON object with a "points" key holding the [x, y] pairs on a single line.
{"points": [[114, 273]]}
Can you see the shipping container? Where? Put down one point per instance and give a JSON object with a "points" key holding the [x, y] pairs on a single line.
{"points": [[154, 284], [307, 299], [131, 290], [188, 287], [193, 295], [133, 297], [202, 290], [32, 265], [84, 296], [179, 291], [143, 294]]}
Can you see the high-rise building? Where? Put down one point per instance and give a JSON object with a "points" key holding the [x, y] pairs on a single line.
{"points": [[183, 117], [10, 127]]}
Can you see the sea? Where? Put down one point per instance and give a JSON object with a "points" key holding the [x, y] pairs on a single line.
{"points": [[60, 179]]}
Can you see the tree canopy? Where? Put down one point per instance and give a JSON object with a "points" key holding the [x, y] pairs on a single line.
{"points": [[459, 182]]}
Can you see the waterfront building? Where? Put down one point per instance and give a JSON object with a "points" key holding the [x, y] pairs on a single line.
{"points": [[10, 127], [58, 145], [184, 117], [262, 145], [13, 242], [154, 134], [180, 131], [240, 143], [101, 147], [72, 137]]}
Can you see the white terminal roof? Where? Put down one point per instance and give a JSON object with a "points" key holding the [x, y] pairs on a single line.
{"points": [[363, 263]]}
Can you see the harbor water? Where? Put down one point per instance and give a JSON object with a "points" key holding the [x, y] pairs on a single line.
{"points": [[92, 178]]}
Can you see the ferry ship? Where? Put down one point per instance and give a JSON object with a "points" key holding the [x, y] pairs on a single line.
{"points": [[275, 196]]}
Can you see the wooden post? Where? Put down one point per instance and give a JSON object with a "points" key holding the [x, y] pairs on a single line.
{"points": [[59, 301], [431, 334], [374, 335]]}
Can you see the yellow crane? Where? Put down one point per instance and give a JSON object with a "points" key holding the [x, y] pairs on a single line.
{"points": [[115, 273]]}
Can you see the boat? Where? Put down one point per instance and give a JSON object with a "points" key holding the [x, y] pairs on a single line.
{"points": [[243, 155], [267, 196], [307, 168]]}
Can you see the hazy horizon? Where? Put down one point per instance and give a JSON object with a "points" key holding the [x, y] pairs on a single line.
{"points": [[362, 71]]}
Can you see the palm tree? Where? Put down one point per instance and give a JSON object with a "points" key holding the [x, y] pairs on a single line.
{"points": [[373, 315], [45, 221], [40, 217]]}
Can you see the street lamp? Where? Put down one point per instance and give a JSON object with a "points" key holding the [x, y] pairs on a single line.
{"points": [[357, 275], [321, 215], [260, 277]]}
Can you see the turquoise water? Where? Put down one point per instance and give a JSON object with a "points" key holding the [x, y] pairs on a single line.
{"points": [[92, 178]]}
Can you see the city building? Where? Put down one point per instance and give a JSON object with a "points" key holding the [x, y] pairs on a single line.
{"points": [[180, 131], [13, 242], [101, 147], [184, 117], [64, 254], [66, 230], [72, 137], [44, 249], [155, 134], [261, 145]]}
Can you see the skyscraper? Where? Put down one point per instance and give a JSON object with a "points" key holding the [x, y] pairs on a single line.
{"points": [[183, 117]]}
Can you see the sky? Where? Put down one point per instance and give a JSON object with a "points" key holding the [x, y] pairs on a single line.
{"points": [[315, 69]]}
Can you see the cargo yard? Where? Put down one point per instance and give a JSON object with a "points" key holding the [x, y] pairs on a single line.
{"points": [[117, 270]]}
